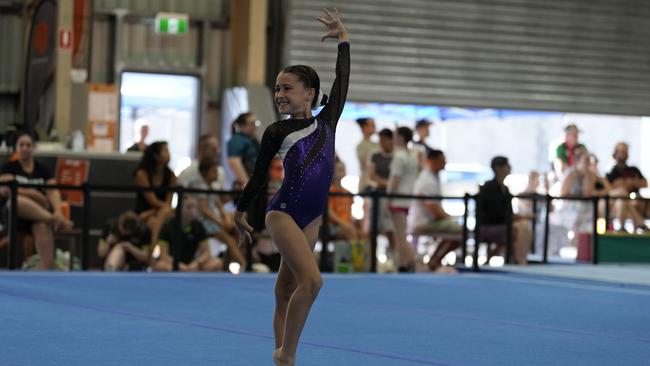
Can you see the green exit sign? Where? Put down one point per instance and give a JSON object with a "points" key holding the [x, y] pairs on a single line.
{"points": [[171, 23]]}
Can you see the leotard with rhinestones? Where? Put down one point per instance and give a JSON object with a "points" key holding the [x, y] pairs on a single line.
{"points": [[306, 147]]}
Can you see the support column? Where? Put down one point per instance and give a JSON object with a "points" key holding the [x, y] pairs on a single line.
{"points": [[248, 21], [64, 46]]}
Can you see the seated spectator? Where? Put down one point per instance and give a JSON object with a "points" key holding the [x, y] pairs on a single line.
{"points": [[379, 173], [217, 222], [429, 218], [532, 188], [276, 176], [494, 209], [601, 184], [155, 207], [125, 243], [341, 225], [208, 149], [566, 153], [579, 181], [183, 243], [627, 180], [39, 210]]}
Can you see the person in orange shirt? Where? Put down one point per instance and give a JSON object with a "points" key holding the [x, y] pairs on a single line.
{"points": [[340, 208]]}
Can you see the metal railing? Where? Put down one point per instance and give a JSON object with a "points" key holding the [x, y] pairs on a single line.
{"points": [[15, 255]]}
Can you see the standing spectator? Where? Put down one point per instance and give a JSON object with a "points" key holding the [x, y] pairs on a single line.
{"points": [[154, 207], [125, 243], [494, 210], [243, 147], [420, 145], [429, 218], [39, 210], [566, 153], [403, 173], [379, 173], [208, 149], [141, 144], [183, 243], [216, 221], [365, 148]]}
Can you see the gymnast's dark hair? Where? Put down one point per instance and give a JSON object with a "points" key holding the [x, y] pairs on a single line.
{"points": [[309, 78]]}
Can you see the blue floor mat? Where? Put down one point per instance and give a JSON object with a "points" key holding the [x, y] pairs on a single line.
{"points": [[176, 319]]}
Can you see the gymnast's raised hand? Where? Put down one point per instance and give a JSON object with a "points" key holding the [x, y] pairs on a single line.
{"points": [[335, 28]]}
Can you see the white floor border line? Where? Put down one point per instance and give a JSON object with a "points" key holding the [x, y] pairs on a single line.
{"points": [[558, 283]]}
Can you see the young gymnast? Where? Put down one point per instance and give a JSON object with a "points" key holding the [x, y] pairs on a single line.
{"points": [[306, 145]]}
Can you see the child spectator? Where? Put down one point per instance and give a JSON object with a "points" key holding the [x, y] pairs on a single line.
{"points": [[125, 243], [183, 243]]}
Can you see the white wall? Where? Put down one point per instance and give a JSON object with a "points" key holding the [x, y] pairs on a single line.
{"points": [[523, 139]]}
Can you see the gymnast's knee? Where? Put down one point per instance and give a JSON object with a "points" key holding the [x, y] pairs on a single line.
{"points": [[283, 291], [312, 285]]}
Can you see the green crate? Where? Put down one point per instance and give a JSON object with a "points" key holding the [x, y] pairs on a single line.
{"points": [[624, 248]]}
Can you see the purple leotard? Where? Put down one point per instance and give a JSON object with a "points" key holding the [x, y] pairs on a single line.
{"points": [[306, 147]]}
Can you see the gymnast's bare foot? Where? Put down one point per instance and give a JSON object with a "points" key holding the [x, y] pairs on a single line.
{"points": [[281, 360]]}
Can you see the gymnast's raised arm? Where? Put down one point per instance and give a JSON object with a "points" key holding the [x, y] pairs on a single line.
{"points": [[338, 94]]}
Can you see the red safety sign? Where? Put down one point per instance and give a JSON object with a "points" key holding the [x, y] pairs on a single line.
{"points": [[65, 39]]}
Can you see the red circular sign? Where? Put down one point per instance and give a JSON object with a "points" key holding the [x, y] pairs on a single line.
{"points": [[41, 38]]}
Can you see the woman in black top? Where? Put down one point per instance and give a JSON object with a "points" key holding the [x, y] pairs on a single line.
{"points": [[39, 209], [154, 207], [306, 145]]}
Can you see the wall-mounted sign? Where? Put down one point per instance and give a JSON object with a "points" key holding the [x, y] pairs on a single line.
{"points": [[171, 23]]}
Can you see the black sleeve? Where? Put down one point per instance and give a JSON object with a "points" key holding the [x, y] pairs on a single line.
{"points": [[613, 175], [8, 168], [271, 141], [638, 173], [339, 92], [508, 204], [201, 233]]}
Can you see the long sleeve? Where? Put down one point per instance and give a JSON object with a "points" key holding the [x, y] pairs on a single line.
{"points": [[339, 92], [269, 148]]}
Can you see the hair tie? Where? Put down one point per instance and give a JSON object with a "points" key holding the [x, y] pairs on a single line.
{"points": [[321, 100]]}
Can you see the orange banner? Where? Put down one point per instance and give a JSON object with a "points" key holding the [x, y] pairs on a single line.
{"points": [[72, 172]]}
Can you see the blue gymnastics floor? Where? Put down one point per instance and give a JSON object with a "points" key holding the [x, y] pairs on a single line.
{"points": [[466, 319]]}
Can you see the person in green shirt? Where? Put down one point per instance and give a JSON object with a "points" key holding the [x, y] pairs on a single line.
{"points": [[566, 153]]}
